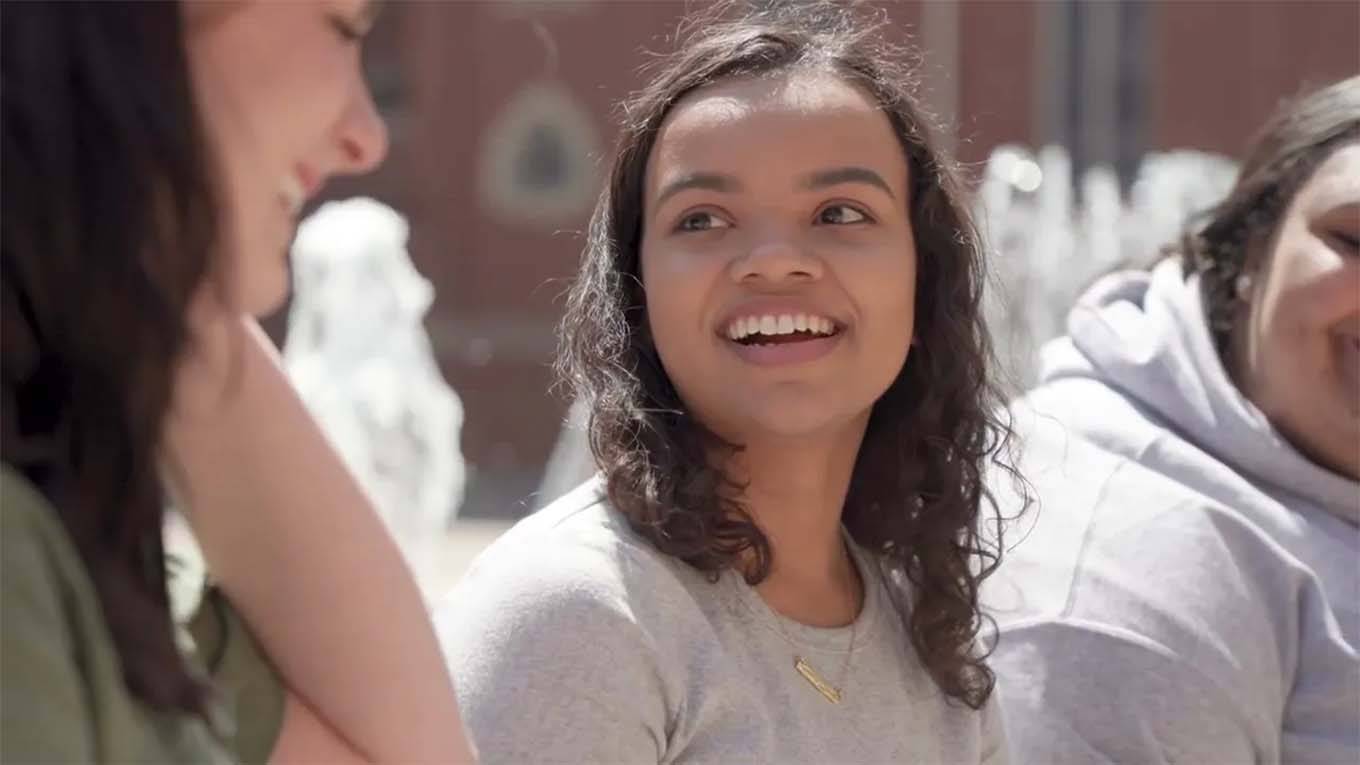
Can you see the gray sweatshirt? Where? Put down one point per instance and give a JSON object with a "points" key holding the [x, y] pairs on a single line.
{"points": [[573, 640], [1189, 589]]}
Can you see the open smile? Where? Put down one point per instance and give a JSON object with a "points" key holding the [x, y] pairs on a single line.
{"points": [[777, 339]]}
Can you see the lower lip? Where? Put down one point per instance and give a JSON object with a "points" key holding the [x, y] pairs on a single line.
{"points": [[783, 354]]}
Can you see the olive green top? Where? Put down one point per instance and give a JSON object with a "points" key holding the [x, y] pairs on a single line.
{"points": [[64, 699]]}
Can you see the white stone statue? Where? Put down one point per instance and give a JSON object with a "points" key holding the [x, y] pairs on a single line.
{"points": [[358, 352]]}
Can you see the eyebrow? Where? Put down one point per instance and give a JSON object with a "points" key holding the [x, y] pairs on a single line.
{"points": [[1342, 206], [818, 180], [706, 181], [1333, 213], [850, 174]]}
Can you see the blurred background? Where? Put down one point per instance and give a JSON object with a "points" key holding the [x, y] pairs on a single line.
{"points": [[501, 115]]}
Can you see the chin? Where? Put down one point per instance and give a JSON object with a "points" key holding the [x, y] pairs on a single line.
{"points": [[1349, 451], [263, 297], [806, 420], [1348, 464], [1337, 449]]}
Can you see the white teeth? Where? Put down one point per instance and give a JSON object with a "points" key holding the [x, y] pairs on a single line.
{"points": [[290, 189], [782, 324]]}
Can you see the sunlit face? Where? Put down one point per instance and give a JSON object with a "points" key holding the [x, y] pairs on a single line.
{"points": [[285, 106], [1298, 352], [777, 255]]}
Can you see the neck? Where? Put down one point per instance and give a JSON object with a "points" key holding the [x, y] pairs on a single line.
{"points": [[795, 491]]}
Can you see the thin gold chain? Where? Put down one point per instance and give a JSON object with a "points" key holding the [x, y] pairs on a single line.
{"points": [[832, 693]]}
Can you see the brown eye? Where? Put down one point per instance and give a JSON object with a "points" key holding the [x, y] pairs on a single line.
{"points": [[841, 215], [700, 221], [1349, 242]]}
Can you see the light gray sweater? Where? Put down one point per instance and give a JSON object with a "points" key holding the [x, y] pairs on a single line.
{"points": [[1189, 589], [573, 640]]}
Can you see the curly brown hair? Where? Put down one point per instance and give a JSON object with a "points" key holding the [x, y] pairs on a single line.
{"points": [[917, 495], [1232, 238]]}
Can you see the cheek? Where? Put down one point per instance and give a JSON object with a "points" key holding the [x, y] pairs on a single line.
{"points": [[884, 287], [233, 85], [675, 290], [1339, 291], [243, 117], [679, 287], [1310, 291], [275, 91]]}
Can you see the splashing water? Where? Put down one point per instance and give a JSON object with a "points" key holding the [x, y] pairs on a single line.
{"points": [[1045, 247], [359, 355]]}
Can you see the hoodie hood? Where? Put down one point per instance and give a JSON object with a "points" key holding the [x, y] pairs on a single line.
{"points": [[1144, 335]]}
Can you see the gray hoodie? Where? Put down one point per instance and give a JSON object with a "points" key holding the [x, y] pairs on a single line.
{"points": [[1188, 589]]}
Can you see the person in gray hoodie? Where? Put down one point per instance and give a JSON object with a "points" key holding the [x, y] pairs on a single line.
{"points": [[1189, 589]]}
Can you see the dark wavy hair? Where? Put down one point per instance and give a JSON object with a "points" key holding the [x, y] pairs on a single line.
{"points": [[917, 496], [109, 225], [1233, 237]]}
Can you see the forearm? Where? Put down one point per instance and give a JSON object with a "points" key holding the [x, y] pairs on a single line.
{"points": [[293, 541], [306, 739]]}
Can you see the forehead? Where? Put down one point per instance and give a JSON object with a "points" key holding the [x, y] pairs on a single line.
{"points": [[1336, 182], [763, 125]]}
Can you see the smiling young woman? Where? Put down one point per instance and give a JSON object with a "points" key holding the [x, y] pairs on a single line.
{"points": [[776, 329], [156, 156]]}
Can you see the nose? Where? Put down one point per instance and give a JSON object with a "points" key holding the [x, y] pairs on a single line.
{"points": [[776, 260], [362, 134]]}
